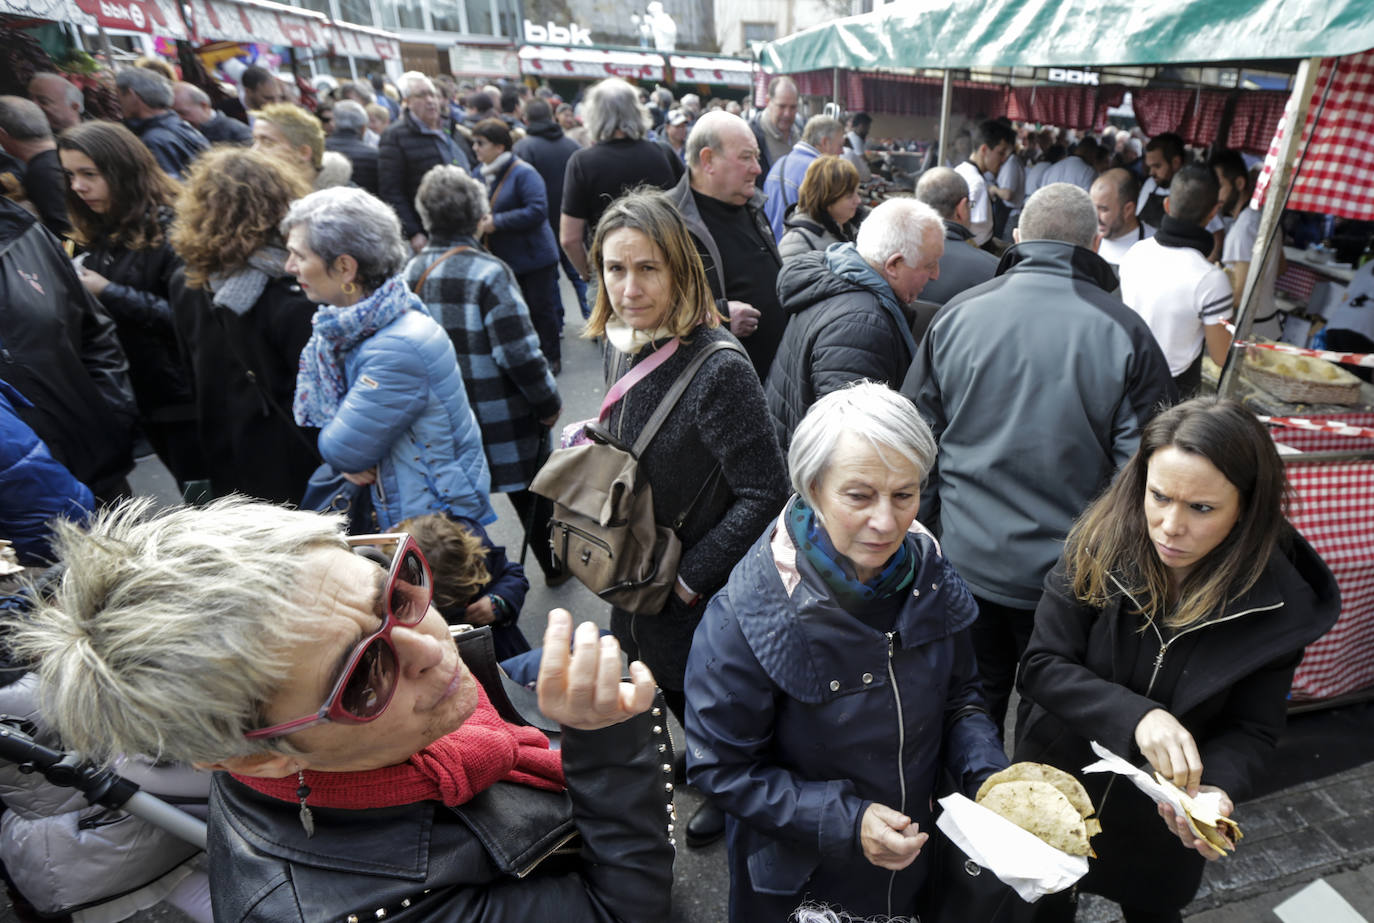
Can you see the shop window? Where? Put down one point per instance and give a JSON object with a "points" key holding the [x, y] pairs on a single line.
{"points": [[403, 14], [760, 32], [358, 11]]}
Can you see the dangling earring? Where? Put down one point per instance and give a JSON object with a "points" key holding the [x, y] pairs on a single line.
{"points": [[349, 288], [303, 792]]}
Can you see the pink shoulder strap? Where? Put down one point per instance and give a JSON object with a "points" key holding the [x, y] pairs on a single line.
{"points": [[635, 375]]}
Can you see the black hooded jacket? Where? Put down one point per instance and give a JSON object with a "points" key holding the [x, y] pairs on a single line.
{"points": [[173, 141], [547, 149]]}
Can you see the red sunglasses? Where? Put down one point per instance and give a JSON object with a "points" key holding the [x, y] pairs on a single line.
{"points": [[368, 679]]}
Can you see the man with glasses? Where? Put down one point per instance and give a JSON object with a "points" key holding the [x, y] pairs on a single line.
{"points": [[364, 766], [419, 139]]}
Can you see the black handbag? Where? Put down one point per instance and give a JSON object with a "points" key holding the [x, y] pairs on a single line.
{"points": [[960, 890], [328, 491]]}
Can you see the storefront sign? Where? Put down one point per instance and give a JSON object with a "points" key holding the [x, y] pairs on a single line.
{"points": [[1066, 75], [553, 34], [135, 15]]}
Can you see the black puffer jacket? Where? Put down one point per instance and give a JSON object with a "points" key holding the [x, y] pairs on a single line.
{"points": [[404, 155], [1092, 674], [503, 856], [547, 149], [173, 142], [362, 155], [136, 299], [243, 364], [843, 324], [58, 348]]}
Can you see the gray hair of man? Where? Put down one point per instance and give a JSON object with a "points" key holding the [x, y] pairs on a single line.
{"points": [[154, 89], [347, 221], [942, 189], [1059, 211], [349, 116], [23, 120], [194, 93], [867, 410], [821, 128], [69, 89], [706, 133], [356, 90], [901, 226], [613, 106], [413, 82], [451, 203], [166, 635]]}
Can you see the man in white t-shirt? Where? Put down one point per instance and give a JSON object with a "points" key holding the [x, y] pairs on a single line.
{"points": [[1165, 156], [1079, 168], [1114, 195], [992, 143], [1168, 281]]}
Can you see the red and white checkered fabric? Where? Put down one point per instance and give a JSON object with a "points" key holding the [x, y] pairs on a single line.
{"points": [[1336, 174], [1298, 281]]}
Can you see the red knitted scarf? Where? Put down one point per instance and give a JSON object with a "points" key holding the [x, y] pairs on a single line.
{"points": [[483, 751]]}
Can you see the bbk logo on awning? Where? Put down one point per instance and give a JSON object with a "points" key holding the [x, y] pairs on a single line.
{"points": [[130, 13]]}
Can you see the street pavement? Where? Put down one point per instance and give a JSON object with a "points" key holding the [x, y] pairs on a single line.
{"points": [[1320, 825]]}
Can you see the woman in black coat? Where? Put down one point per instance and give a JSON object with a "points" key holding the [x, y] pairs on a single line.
{"points": [[1170, 631], [120, 203], [243, 320]]}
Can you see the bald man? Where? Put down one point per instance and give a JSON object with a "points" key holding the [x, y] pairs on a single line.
{"points": [[193, 105], [61, 102], [1114, 198], [964, 264]]}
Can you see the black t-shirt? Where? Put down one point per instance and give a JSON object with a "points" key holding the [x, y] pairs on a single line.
{"points": [[751, 274], [598, 175]]}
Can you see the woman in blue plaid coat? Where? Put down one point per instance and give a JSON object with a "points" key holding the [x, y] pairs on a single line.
{"points": [[475, 297]]}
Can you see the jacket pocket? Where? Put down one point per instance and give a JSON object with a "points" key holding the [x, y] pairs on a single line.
{"points": [[777, 867]]}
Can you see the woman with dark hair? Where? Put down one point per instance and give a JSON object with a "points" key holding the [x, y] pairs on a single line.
{"points": [[827, 202], [714, 465], [517, 230], [120, 204], [243, 321], [1169, 632]]}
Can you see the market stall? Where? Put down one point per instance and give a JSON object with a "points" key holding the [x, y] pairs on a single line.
{"points": [[1328, 167]]}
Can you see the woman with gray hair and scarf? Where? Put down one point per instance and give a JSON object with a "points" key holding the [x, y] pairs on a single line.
{"points": [[379, 376]]}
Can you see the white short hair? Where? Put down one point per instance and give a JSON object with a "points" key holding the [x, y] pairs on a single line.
{"points": [[867, 409], [409, 82], [166, 634], [900, 226]]}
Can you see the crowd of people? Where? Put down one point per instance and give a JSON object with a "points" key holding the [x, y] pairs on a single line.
{"points": [[916, 456]]}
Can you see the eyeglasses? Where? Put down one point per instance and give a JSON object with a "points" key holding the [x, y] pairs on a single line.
{"points": [[368, 679]]}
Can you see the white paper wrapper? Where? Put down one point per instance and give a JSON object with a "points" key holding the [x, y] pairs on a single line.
{"points": [[1206, 805], [1024, 862]]}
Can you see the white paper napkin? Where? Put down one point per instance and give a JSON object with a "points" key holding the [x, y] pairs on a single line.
{"points": [[1206, 805], [1023, 861]]}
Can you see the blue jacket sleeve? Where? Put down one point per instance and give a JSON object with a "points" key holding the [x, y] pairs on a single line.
{"points": [[388, 392], [731, 704]]}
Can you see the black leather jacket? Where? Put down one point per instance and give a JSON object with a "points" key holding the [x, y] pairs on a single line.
{"points": [[598, 852]]}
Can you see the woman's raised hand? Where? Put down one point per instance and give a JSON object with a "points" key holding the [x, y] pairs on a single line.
{"points": [[890, 840], [1170, 749], [583, 689], [1180, 828]]}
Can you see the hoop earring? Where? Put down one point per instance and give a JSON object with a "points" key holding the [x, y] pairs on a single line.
{"points": [[349, 288], [303, 792]]}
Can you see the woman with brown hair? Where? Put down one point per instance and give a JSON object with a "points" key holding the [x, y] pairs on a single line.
{"points": [[243, 320], [714, 465], [120, 205], [1169, 632], [517, 231], [827, 202]]}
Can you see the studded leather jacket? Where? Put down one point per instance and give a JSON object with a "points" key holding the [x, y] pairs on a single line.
{"points": [[598, 852]]}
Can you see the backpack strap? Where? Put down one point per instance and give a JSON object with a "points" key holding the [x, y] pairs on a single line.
{"points": [[452, 251], [635, 375], [675, 393]]}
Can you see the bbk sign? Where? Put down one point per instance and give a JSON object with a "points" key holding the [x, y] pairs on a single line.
{"points": [[1065, 75], [120, 14], [553, 34]]}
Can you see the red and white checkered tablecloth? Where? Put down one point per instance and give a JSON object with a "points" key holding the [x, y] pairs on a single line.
{"points": [[1333, 508], [1336, 176]]}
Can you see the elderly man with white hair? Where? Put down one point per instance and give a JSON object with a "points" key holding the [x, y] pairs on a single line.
{"points": [[145, 97], [1037, 385], [350, 124], [847, 306], [418, 140]]}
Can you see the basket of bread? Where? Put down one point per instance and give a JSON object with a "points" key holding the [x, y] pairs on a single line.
{"points": [[1300, 379]]}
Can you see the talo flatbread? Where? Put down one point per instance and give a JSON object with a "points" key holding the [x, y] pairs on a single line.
{"points": [[1041, 772], [1041, 809]]}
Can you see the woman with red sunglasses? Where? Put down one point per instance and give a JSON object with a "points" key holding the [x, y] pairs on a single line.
{"points": [[363, 768]]}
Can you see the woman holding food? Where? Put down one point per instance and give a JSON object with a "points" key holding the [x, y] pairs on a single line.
{"points": [[1170, 631], [832, 681]]}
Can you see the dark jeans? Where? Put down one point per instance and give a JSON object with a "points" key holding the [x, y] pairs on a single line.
{"points": [[534, 512], [578, 285], [1000, 635], [540, 288], [1189, 380]]}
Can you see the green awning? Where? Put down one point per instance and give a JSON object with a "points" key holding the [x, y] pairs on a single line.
{"points": [[1073, 33]]}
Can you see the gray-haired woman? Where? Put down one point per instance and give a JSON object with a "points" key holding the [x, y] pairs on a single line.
{"points": [[476, 298], [832, 680], [378, 375]]}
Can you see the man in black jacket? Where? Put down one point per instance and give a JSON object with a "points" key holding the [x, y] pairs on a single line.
{"points": [[146, 100], [546, 148], [350, 121], [1036, 385], [964, 265], [25, 136], [418, 140], [61, 353], [193, 105]]}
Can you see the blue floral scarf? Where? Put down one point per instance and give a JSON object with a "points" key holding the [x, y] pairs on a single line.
{"points": [[837, 571], [320, 381]]}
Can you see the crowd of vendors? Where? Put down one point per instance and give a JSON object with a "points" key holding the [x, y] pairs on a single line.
{"points": [[917, 454]]}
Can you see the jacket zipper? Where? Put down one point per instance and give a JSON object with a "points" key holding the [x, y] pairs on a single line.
{"points": [[563, 841], [901, 751]]}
